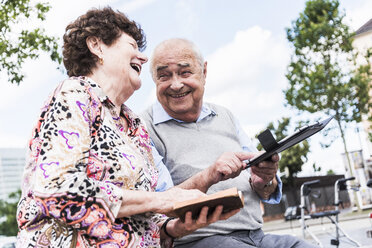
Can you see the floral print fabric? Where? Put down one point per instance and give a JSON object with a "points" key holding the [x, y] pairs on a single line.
{"points": [[80, 161]]}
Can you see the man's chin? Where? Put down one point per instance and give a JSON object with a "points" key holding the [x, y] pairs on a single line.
{"points": [[179, 109], [172, 111]]}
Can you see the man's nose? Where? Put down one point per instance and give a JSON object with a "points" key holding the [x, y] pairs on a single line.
{"points": [[176, 84]]}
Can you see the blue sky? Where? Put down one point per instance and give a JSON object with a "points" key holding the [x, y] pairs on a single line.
{"points": [[244, 42]]}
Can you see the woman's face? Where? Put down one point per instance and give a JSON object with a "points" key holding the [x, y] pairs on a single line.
{"points": [[123, 59]]}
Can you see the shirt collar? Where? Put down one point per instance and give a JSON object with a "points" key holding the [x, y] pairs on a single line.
{"points": [[160, 115]]}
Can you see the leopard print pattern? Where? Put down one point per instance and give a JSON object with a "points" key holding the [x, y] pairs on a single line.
{"points": [[79, 162]]}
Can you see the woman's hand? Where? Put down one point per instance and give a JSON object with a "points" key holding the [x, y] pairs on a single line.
{"points": [[137, 202], [175, 194], [177, 228]]}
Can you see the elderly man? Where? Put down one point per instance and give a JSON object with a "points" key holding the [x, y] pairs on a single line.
{"points": [[190, 136]]}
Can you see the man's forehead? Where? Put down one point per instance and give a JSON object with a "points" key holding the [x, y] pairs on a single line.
{"points": [[180, 60], [161, 66], [175, 51], [174, 55]]}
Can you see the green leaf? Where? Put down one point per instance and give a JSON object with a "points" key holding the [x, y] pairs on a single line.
{"points": [[16, 48], [8, 209]]}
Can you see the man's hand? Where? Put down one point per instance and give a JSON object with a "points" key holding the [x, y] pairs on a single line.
{"points": [[262, 174], [228, 165]]}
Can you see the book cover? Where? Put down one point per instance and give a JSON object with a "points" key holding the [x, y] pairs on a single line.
{"points": [[231, 199]]}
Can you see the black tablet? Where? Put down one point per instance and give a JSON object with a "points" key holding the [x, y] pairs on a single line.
{"points": [[271, 146]]}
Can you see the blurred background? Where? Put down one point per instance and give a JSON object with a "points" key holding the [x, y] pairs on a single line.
{"points": [[252, 48]]}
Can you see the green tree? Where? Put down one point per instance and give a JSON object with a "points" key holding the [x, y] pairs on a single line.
{"points": [[16, 44], [330, 172], [316, 168], [323, 74], [8, 209], [292, 159]]}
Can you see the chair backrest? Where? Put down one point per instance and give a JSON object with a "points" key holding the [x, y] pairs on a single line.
{"points": [[369, 183]]}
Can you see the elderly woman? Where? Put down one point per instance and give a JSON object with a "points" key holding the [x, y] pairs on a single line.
{"points": [[90, 177]]}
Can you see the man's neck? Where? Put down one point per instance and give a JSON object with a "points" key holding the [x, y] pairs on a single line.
{"points": [[186, 117]]}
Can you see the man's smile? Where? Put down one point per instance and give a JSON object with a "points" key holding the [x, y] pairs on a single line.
{"points": [[179, 95]]}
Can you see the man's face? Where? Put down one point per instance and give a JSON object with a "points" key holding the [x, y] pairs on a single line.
{"points": [[180, 81]]}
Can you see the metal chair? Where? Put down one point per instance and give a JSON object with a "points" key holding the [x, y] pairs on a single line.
{"points": [[332, 215]]}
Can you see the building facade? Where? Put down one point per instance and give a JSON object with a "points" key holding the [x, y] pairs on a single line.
{"points": [[362, 42], [12, 161]]}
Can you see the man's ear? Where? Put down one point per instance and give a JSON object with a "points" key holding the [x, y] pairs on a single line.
{"points": [[94, 46], [205, 69]]}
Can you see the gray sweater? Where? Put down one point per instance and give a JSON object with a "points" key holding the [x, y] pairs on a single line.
{"points": [[188, 148]]}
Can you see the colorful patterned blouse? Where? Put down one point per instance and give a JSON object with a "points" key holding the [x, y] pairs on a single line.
{"points": [[80, 160]]}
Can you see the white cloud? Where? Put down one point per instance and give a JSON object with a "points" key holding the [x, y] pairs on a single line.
{"points": [[10, 140], [11, 94], [247, 76], [187, 17], [358, 15], [134, 5], [252, 130], [64, 12]]}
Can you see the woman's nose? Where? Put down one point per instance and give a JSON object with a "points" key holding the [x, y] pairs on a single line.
{"points": [[142, 57]]}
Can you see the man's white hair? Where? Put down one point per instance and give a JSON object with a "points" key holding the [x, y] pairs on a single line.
{"points": [[194, 48]]}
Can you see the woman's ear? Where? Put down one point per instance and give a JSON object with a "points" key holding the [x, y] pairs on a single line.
{"points": [[94, 46]]}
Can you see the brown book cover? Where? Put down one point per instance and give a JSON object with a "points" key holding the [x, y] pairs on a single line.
{"points": [[230, 199]]}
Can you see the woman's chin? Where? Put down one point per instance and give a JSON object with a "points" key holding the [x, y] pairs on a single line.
{"points": [[137, 85]]}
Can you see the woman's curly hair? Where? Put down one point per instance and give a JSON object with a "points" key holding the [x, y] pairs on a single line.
{"points": [[105, 24]]}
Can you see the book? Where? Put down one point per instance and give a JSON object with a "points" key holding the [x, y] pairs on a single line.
{"points": [[231, 199], [271, 146]]}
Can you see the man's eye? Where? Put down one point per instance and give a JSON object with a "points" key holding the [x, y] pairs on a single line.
{"points": [[162, 76], [186, 73]]}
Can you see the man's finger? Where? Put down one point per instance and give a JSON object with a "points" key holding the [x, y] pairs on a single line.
{"points": [[275, 157], [226, 170], [246, 155], [216, 214], [188, 218], [202, 219]]}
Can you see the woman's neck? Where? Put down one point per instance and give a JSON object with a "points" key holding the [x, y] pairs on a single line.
{"points": [[111, 87]]}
